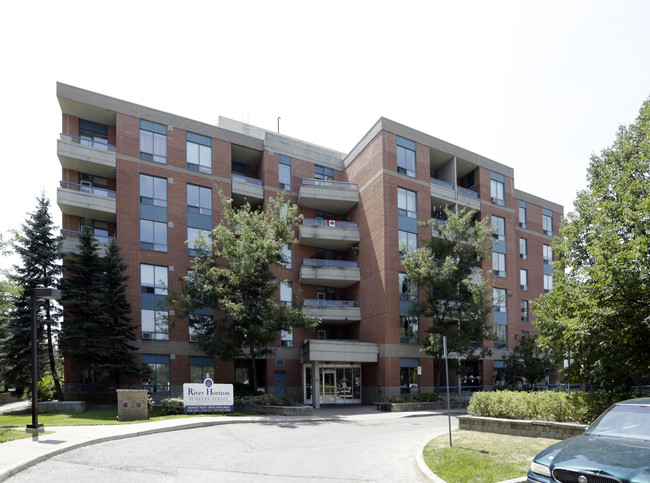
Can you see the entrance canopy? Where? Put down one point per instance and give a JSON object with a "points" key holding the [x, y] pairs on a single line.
{"points": [[339, 351]]}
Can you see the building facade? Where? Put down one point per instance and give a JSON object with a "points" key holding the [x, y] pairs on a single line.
{"points": [[151, 179]]}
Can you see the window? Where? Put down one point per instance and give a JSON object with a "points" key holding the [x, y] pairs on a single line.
{"points": [[286, 255], [99, 229], [93, 134], [153, 190], [408, 242], [155, 324], [499, 227], [547, 222], [499, 298], [199, 153], [326, 293], [406, 203], [407, 290], [499, 373], [199, 323], [199, 241], [94, 185], [548, 254], [499, 264], [408, 329], [153, 141], [500, 336], [325, 254], [201, 368], [523, 279], [406, 157], [523, 249], [522, 214], [548, 283], [525, 311], [286, 298], [199, 200], [286, 338], [153, 235], [497, 189], [408, 376], [284, 172], [155, 372], [239, 168], [153, 279], [321, 172]]}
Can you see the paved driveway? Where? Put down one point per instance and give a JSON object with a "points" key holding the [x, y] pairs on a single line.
{"points": [[355, 444]]}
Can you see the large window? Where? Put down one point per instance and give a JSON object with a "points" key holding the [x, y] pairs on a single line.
{"points": [[523, 279], [499, 299], [547, 222], [408, 329], [406, 157], [522, 214], [153, 141], [499, 264], [548, 283], [523, 249], [155, 324], [497, 189], [408, 242], [406, 203], [98, 228], [500, 336], [95, 185], [548, 254], [525, 311], [153, 279], [155, 372], [407, 289], [284, 172], [201, 368], [321, 172], [199, 200], [153, 190], [93, 134], [199, 153], [199, 241], [153, 235], [286, 255], [499, 228], [409, 380], [286, 297]]}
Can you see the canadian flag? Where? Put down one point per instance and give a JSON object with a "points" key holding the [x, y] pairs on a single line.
{"points": [[331, 222]]}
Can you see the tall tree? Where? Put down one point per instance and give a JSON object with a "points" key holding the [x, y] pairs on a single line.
{"points": [[97, 335], [9, 294], [453, 292], [598, 314], [40, 252], [526, 363], [235, 276]]}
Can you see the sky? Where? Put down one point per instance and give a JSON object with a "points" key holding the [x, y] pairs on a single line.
{"points": [[536, 85]]}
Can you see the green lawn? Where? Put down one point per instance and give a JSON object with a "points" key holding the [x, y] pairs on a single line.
{"points": [[478, 457], [11, 434]]}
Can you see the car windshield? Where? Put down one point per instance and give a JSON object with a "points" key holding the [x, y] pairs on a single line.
{"points": [[624, 421]]}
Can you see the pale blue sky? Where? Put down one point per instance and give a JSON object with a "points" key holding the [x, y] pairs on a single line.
{"points": [[538, 86]]}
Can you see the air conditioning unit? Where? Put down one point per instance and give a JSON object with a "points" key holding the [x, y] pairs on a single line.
{"points": [[523, 256], [146, 335], [495, 199], [194, 338], [524, 287]]}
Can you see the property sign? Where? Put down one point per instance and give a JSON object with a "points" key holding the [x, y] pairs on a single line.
{"points": [[208, 397]]}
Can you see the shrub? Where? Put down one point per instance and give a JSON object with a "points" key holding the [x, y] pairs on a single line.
{"points": [[587, 406], [173, 405], [46, 390], [265, 400], [428, 397]]}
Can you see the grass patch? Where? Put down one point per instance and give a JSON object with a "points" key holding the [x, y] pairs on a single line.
{"points": [[90, 417], [478, 457], [11, 434]]}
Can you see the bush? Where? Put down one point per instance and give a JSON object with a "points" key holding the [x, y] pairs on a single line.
{"points": [[587, 406], [265, 400], [173, 405], [46, 390]]}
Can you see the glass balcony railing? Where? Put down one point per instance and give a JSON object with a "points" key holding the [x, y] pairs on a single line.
{"points": [[442, 183], [467, 192], [246, 179], [91, 190], [101, 144], [459, 189], [341, 304], [329, 223], [98, 237], [340, 185], [316, 262]]}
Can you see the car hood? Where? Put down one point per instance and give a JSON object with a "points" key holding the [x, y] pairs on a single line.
{"points": [[628, 460]]}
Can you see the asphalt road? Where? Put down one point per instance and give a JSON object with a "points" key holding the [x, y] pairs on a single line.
{"points": [[362, 446]]}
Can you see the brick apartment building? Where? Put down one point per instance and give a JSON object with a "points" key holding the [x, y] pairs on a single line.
{"points": [[150, 179]]}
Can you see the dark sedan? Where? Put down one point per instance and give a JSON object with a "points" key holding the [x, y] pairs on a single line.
{"points": [[614, 449]]}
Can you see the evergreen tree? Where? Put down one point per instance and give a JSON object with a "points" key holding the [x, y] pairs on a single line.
{"points": [[9, 293], [40, 253]]}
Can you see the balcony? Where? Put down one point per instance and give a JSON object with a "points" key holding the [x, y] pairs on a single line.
{"points": [[86, 201], [71, 242], [339, 351], [452, 194], [332, 311], [86, 155], [247, 190], [326, 195], [329, 234], [331, 273]]}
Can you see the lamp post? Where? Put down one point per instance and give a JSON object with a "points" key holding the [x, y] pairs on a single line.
{"points": [[40, 293]]}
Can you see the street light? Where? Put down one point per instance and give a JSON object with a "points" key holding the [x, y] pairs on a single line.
{"points": [[41, 293]]}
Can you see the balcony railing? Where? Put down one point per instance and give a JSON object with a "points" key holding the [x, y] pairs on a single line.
{"points": [[315, 262], [98, 238], [246, 179], [442, 183], [467, 192], [329, 223], [342, 304], [91, 190], [340, 185], [93, 143]]}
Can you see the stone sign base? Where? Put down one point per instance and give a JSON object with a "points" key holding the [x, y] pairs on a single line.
{"points": [[132, 405]]}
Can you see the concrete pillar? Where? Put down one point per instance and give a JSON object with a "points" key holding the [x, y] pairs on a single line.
{"points": [[315, 393]]}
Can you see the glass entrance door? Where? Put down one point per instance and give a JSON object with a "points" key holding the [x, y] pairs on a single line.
{"points": [[329, 386], [339, 384]]}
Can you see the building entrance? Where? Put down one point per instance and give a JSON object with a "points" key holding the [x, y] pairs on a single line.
{"points": [[338, 384]]}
